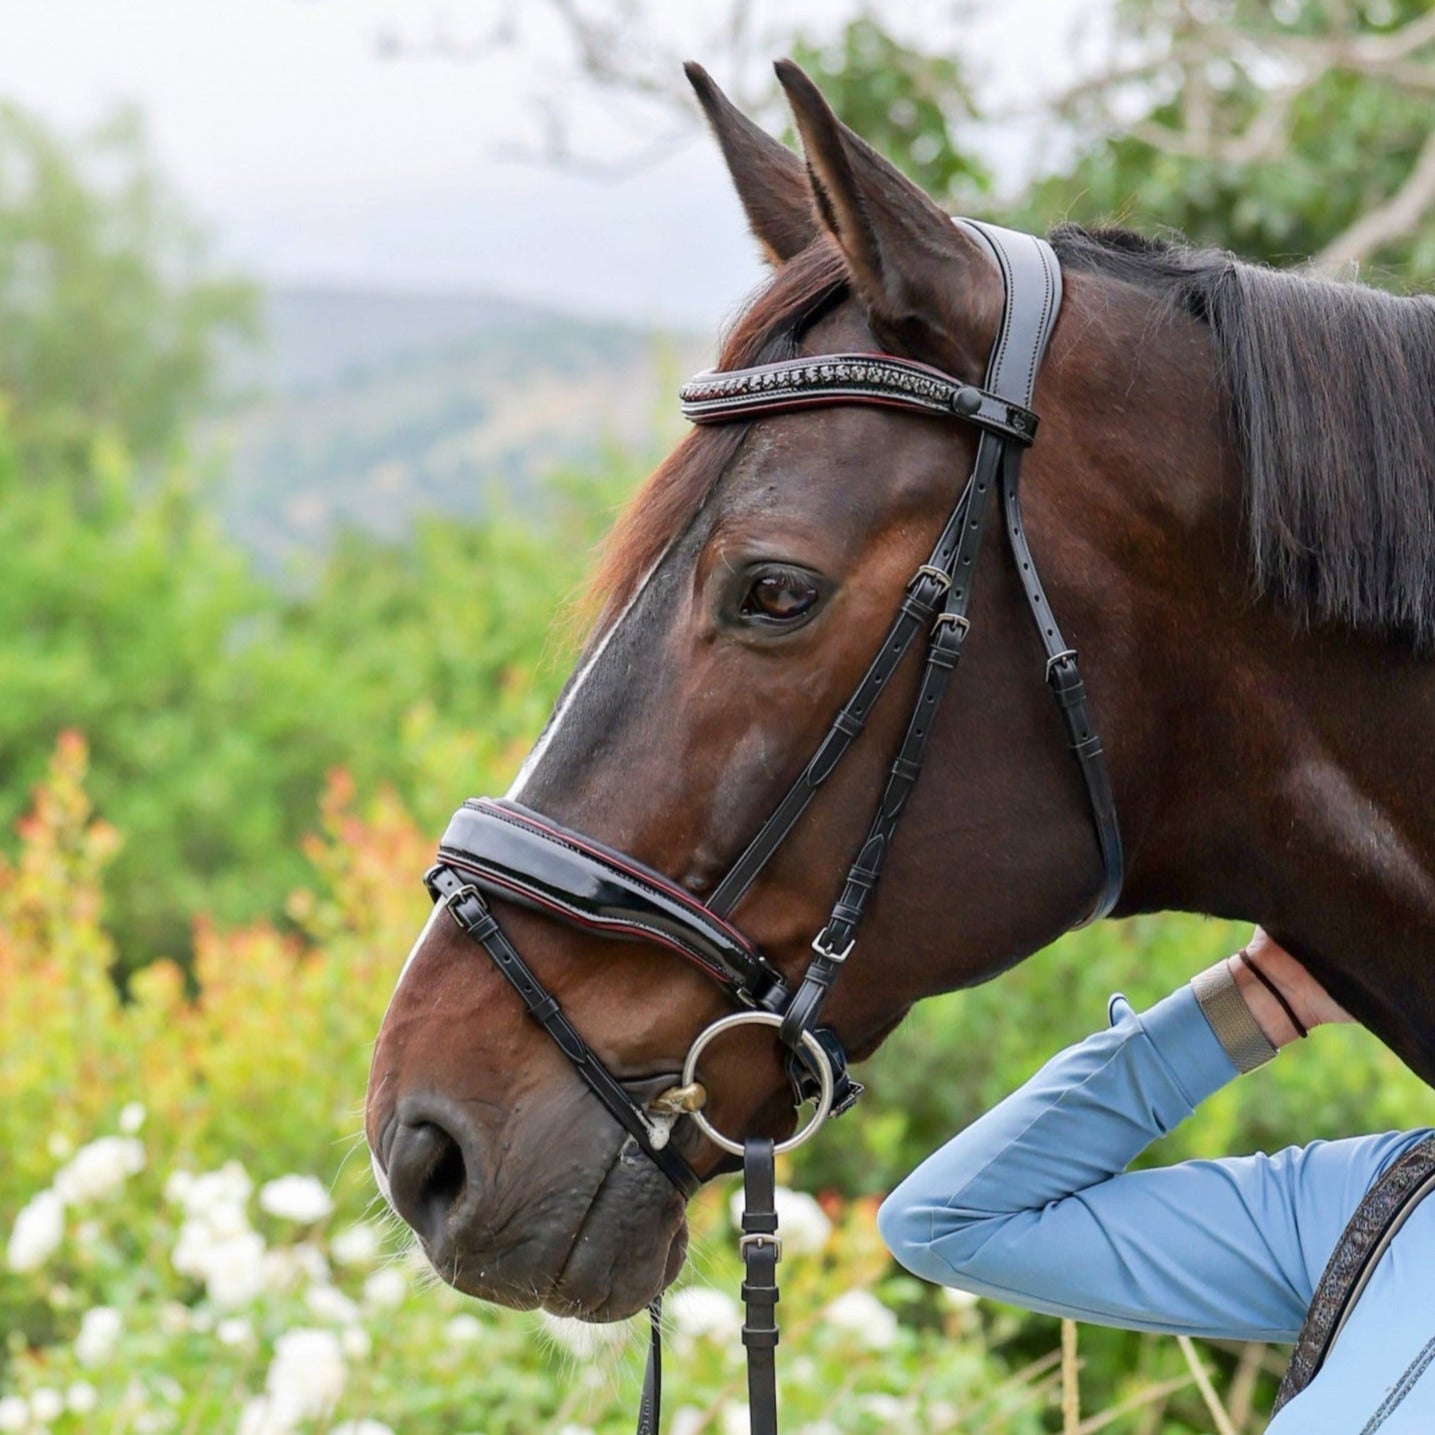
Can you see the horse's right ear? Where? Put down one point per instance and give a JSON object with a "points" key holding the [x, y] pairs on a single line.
{"points": [[771, 181]]}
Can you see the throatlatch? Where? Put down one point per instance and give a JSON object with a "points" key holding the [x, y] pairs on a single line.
{"points": [[500, 849]]}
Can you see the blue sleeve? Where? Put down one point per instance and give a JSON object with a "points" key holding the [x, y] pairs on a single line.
{"points": [[1032, 1203]]}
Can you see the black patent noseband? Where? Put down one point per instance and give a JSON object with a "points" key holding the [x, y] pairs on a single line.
{"points": [[500, 849]]}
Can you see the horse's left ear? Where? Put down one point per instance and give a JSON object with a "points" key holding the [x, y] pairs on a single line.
{"points": [[928, 289]]}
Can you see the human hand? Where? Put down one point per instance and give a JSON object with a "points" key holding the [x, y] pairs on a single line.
{"points": [[1313, 1005]]}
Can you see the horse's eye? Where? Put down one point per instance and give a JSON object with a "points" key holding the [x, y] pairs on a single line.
{"points": [[780, 595]]}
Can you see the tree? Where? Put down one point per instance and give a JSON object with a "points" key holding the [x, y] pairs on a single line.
{"points": [[1282, 131], [112, 319]]}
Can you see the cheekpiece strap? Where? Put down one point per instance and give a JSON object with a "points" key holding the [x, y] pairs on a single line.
{"points": [[722, 395]]}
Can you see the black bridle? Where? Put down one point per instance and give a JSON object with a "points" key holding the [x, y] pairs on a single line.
{"points": [[501, 849]]}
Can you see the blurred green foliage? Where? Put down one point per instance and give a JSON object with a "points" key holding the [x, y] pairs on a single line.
{"points": [[111, 314], [1348, 141]]}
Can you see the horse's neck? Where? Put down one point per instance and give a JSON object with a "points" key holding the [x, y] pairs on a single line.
{"points": [[1307, 803]]}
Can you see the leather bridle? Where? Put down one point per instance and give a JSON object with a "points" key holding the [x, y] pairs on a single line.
{"points": [[502, 849]]}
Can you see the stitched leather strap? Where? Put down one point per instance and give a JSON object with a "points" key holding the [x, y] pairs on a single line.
{"points": [[761, 1251], [471, 912], [919, 605], [650, 1406], [1375, 1224]]}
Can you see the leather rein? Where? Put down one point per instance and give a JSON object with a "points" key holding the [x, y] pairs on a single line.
{"points": [[500, 849]]}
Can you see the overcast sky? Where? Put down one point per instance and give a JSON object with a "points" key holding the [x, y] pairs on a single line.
{"points": [[316, 159]]}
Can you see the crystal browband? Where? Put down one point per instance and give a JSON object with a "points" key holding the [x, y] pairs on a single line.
{"points": [[719, 395]]}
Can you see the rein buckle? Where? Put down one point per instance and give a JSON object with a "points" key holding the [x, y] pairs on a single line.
{"points": [[757, 1240]]}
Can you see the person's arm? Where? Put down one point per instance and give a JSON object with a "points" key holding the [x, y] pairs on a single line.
{"points": [[1029, 1205]]}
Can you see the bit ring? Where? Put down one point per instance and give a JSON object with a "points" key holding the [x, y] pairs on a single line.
{"points": [[814, 1049]]}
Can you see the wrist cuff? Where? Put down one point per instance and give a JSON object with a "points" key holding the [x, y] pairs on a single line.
{"points": [[1230, 1018]]}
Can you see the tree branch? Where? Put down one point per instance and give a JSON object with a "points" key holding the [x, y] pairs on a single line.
{"points": [[1397, 217]]}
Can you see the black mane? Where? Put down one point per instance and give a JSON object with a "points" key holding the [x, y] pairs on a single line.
{"points": [[1332, 387]]}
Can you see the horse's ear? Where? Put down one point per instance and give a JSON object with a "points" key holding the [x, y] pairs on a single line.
{"points": [[771, 181], [928, 289]]}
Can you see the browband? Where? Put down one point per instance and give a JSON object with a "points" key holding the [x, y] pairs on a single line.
{"points": [[508, 851], [718, 396]]}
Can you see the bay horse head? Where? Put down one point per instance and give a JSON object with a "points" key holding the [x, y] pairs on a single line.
{"points": [[744, 593]]}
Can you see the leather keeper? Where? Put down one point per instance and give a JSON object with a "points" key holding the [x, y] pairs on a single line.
{"points": [[1230, 1018]]}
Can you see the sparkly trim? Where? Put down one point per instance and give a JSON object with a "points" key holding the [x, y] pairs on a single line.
{"points": [[1386, 1204], [719, 395]]}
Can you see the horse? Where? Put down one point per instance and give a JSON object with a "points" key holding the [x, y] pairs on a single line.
{"points": [[1232, 499]]}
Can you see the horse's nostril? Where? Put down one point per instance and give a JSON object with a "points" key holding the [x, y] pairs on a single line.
{"points": [[428, 1176]]}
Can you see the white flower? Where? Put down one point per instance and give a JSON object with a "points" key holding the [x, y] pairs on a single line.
{"points": [[698, 1311], [575, 1430], [860, 1313], [46, 1404], [330, 1305], [801, 1222], [100, 1328], [38, 1230], [99, 1170], [463, 1328], [957, 1299], [582, 1337], [688, 1420], [295, 1198], [234, 1330], [290, 1268], [368, 1427], [385, 1289], [306, 1376], [81, 1398], [355, 1342], [890, 1410], [260, 1417], [736, 1420], [132, 1115], [234, 1270], [200, 1195], [14, 1412], [178, 1184], [357, 1245]]}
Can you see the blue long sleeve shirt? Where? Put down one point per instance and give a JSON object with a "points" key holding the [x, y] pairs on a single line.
{"points": [[1033, 1204]]}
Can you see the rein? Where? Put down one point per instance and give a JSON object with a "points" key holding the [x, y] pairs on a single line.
{"points": [[502, 849]]}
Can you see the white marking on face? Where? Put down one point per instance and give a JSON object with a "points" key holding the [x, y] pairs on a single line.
{"points": [[545, 738]]}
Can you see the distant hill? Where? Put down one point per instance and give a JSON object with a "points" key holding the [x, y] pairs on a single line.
{"points": [[367, 408]]}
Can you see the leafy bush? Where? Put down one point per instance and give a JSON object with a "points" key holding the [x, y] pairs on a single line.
{"points": [[185, 1239]]}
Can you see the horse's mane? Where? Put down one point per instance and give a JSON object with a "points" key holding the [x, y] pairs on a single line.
{"points": [[1332, 389]]}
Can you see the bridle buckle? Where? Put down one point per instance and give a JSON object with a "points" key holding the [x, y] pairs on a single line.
{"points": [[822, 945], [460, 894], [959, 621], [1060, 657], [939, 576], [757, 1240]]}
